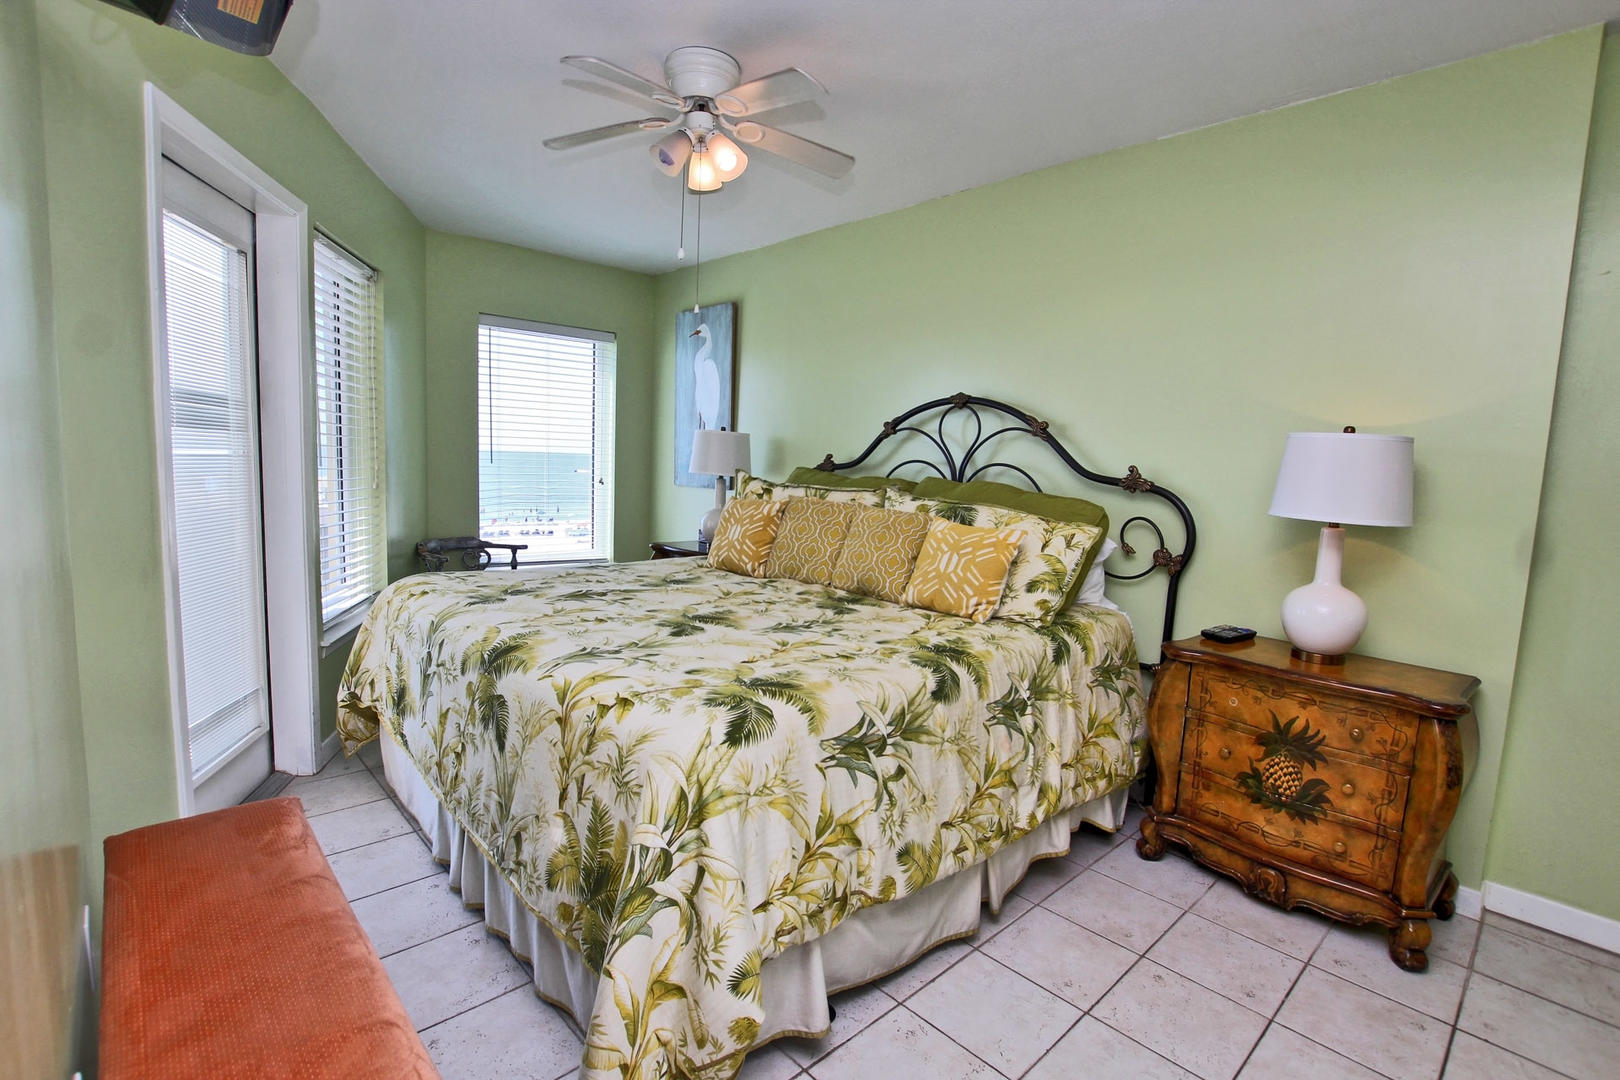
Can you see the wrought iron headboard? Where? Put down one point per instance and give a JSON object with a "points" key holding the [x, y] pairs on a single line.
{"points": [[960, 466]]}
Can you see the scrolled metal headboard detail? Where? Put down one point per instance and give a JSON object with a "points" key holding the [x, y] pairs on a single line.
{"points": [[960, 464]]}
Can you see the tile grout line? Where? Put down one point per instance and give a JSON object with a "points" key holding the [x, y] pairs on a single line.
{"points": [[1539, 997], [339, 809], [1468, 980], [1112, 986], [1506, 924]]}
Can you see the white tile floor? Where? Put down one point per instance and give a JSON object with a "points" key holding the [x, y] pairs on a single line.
{"points": [[1100, 965]]}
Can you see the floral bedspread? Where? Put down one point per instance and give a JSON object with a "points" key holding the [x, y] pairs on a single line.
{"points": [[683, 771]]}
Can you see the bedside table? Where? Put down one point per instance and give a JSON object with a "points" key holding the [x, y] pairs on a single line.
{"points": [[677, 549], [1327, 787]]}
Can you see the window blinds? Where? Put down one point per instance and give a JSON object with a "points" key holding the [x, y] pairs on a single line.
{"points": [[212, 408], [545, 438], [349, 466]]}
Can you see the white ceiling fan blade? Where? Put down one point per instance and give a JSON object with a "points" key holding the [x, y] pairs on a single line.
{"points": [[812, 155], [580, 138], [613, 73], [787, 87]]}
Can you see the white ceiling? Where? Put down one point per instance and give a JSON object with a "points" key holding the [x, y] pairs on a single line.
{"points": [[448, 101]]}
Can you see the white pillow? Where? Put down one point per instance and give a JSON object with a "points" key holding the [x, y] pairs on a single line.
{"points": [[1091, 589]]}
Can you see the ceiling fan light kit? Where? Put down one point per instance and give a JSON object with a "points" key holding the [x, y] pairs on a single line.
{"points": [[702, 86]]}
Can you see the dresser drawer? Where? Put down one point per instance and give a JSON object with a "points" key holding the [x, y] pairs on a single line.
{"points": [[1355, 788], [1348, 725], [1328, 843]]}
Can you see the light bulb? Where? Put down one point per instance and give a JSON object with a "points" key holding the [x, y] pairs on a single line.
{"points": [[701, 174], [729, 160]]}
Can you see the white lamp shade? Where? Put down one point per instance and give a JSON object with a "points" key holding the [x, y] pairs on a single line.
{"points": [[1349, 478], [718, 453], [729, 160], [671, 152]]}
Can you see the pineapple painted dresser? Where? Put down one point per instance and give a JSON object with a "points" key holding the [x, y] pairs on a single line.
{"points": [[1328, 787]]}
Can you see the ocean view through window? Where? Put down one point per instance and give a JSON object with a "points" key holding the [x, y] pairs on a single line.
{"points": [[545, 439]]}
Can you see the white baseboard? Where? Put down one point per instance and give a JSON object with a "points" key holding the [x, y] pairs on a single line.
{"points": [[1470, 903], [329, 750], [1571, 922]]}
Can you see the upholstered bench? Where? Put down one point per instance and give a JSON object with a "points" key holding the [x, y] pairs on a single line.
{"points": [[228, 950]]}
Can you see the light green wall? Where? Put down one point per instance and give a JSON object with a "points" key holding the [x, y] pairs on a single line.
{"points": [[1563, 747], [94, 61], [1395, 257], [44, 802], [469, 277]]}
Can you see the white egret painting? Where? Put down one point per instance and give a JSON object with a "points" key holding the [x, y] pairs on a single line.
{"points": [[703, 356]]}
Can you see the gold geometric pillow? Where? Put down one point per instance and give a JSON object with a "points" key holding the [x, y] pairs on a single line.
{"points": [[879, 552], [961, 569], [742, 540], [1047, 569], [808, 543]]}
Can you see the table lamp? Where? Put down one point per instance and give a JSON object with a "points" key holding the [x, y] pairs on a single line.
{"points": [[1342, 478], [722, 453]]}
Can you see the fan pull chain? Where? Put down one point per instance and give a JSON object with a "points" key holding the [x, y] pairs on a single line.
{"points": [[680, 251], [697, 264]]}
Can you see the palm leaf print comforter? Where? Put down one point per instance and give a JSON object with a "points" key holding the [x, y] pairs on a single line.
{"points": [[683, 771]]}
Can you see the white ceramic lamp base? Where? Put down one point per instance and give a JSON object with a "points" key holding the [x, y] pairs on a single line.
{"points": [[1324, 620], [711, 520]]}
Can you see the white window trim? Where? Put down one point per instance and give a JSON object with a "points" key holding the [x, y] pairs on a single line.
{"points": [[286, 404], [585, 334]]}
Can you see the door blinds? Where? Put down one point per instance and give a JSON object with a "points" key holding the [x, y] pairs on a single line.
{"points": [[545, 438], [212, 405], [350, 476]]}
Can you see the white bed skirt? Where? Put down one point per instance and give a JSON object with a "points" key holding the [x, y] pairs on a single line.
{"points": [[796, 983]]}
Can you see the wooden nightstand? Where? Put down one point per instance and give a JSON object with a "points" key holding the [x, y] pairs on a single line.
{"points": [[1315, 786], [678, 549]]}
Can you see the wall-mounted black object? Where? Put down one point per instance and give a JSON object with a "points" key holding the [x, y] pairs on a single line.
{"points": [[244, 26]]}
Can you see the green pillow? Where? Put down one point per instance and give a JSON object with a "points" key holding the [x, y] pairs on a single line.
{"points": [[810, 477], [936, 487], [1040, 503]]}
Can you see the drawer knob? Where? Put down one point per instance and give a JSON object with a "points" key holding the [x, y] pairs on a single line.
{"points": [[1338, 847], [1356, 733], [1232, 702], [1226, 752], [1349, 788]]}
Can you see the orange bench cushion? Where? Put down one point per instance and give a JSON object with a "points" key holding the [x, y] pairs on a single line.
{"points": [[228, 950]]}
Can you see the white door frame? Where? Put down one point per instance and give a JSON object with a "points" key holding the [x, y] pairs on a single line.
{"points": [[286, 419]]}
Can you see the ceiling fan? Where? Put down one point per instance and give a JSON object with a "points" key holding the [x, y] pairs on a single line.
{"points": [[714, 110]]}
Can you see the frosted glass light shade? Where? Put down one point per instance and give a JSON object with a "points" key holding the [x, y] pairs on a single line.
{"points": [[719, 453], [701, 173], [1348, 478]]}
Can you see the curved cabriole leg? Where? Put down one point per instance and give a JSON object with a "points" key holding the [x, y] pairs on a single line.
{"points": [[1150, 845], [1408, 943], [1445, 905]]}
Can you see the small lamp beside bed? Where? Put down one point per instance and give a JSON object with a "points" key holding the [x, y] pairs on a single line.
{"points": [[720, 453], [1342, 478]]}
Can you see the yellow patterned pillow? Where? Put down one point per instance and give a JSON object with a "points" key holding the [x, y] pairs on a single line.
{"points": [[962, 569], [742, 540], [879, 552], [808, 543]]}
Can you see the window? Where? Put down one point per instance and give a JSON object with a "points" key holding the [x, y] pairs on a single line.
{"points": [[545, 439], [349, 476]]}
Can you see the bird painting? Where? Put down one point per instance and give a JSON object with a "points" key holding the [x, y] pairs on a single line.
{"points": [[704, 354], [705, 381]]}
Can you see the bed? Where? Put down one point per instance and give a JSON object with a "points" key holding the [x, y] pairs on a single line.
{"points": [[699, 803]]}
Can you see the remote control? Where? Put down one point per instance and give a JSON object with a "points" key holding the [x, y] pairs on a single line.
{"points": [[1228, 634]]}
